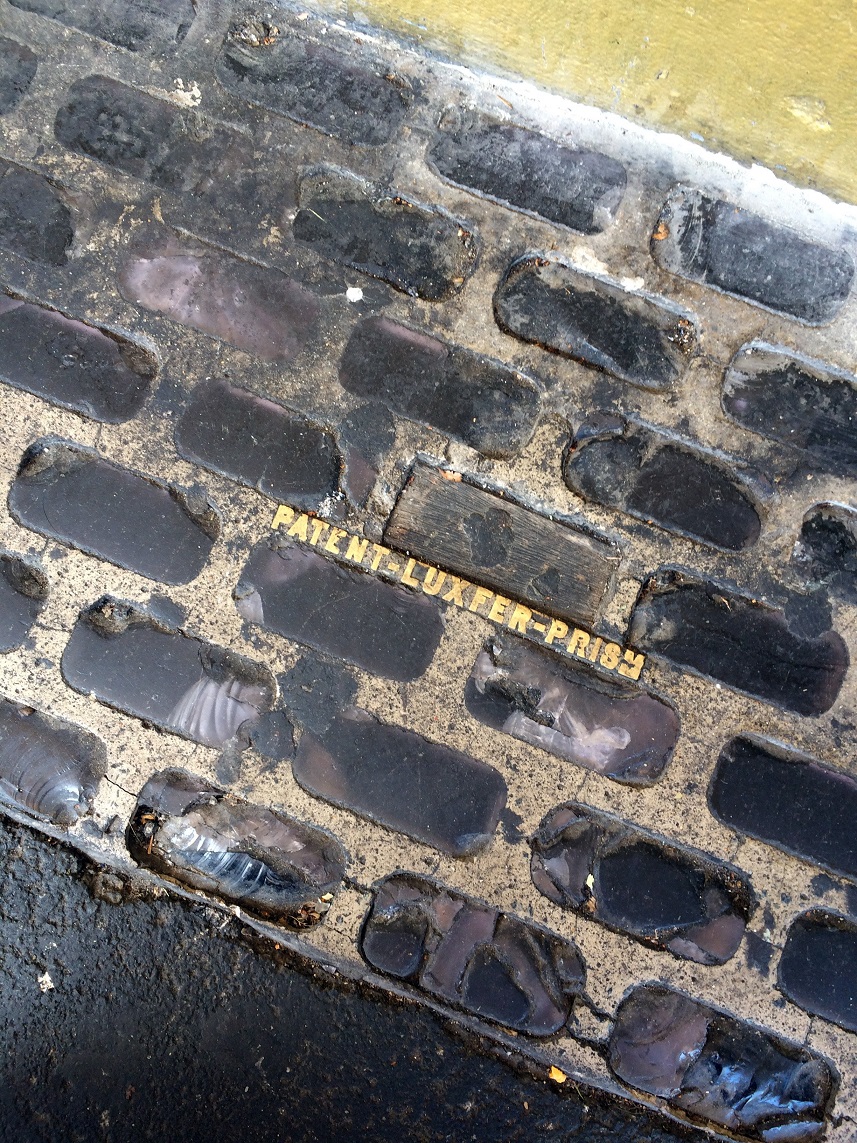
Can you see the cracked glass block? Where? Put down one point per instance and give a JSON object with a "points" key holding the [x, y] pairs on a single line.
{"points": [[133, 661], [613, 728], [47, 765], [720, 1069], [632, 881], [744, 643], [633, 336], [266, 861], [808, 406], [471, 955], [35, 221], [666, 481], [825, 553], [716, 242], [529, 171]]}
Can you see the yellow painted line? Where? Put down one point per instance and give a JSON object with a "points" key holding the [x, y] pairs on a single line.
{"points": [[770, 83], [545, 630]]}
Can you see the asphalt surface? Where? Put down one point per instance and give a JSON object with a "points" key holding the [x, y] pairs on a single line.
{"points": [[128, 1017]]}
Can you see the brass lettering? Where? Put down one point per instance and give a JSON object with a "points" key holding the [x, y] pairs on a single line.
{"points": [[356, 549], [557, 630], [407, 577], [515, 616], [593, 649], [578, 642], [632, 666], [498, 608], [454, 594], [610, 656], [519, 619], [434, 581], [299, 527], [480, 596], [318, 527], [283, 515], [336, 534]]}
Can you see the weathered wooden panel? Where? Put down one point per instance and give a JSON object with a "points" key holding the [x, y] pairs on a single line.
{"points": [[556, 567]]}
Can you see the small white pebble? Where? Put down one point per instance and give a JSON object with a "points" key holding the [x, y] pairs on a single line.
{"points": [[354, 294], [45, 982]]}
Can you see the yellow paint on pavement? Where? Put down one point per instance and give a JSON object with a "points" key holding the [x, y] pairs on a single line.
{"points": [[764, 80]]}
